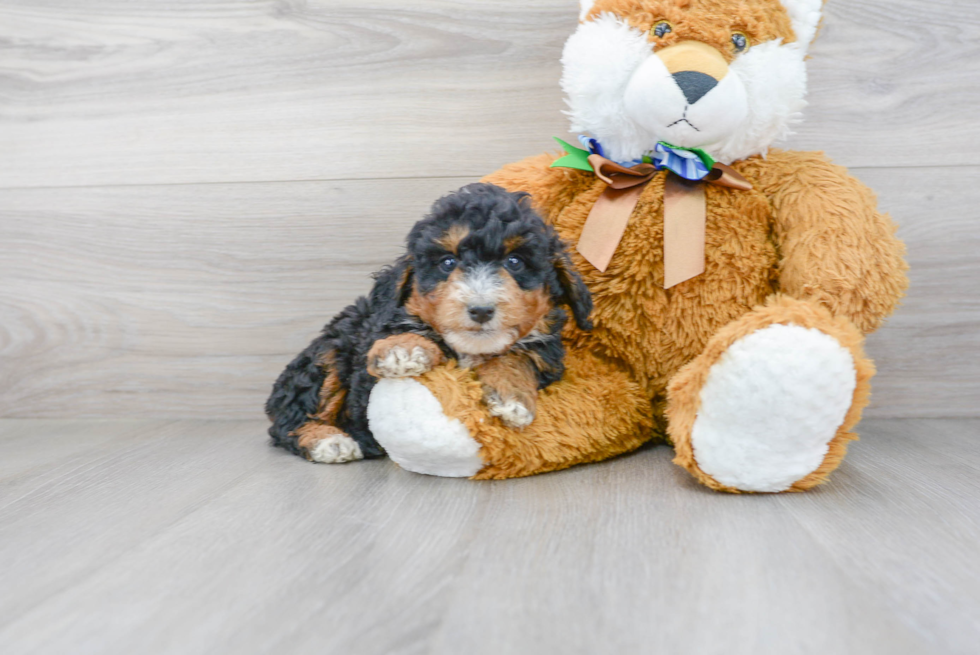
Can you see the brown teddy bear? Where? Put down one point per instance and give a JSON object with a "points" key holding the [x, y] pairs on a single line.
{"points": [[733, 283]]}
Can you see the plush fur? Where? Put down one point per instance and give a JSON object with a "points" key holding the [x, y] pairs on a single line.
{"points": [[420, 437], [807, 231], [804, 253], [481, 283]]}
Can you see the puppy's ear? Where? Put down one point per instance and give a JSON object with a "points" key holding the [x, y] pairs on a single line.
{"points": [[405, 271], [574, 292], [394, 283]]}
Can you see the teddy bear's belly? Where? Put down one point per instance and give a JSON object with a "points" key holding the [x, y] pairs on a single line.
{"points": [[657, 331]]}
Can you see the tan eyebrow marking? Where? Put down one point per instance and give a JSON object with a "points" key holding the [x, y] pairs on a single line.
{"points": [[512, 243], [453, 237]]}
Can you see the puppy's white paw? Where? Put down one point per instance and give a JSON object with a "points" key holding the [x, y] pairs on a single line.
{"points": [[336, 450], [400, 362], [511, 411]]}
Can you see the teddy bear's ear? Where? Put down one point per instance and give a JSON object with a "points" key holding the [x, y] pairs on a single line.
{"points": [[586, 6], [805, 15]]}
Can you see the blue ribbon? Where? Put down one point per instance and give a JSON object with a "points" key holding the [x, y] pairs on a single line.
{"points": [[689, 163], [685, 163]]}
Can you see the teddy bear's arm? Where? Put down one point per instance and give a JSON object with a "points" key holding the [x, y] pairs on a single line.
{"points": [[835, 247], [552, 189]]}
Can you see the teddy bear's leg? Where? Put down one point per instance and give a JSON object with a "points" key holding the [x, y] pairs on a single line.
{"points": [[769, 404], [438, 424]]}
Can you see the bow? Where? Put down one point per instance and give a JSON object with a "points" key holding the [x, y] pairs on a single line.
{"points": [[685, 204]]}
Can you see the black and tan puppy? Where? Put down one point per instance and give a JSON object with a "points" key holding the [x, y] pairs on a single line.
{"points": [[481, 282]]}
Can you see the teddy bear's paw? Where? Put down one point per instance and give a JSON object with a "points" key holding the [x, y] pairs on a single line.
{"points": [[336, 450], [408, 422], [771, 406], [511, 411]]}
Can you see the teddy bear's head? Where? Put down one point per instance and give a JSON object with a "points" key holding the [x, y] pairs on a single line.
{"points": [[727, 76]]}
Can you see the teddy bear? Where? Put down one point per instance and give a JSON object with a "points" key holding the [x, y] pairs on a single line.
{"points": [[733, 283]]}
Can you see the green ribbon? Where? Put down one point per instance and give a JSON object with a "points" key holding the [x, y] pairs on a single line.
{"points": [[576, 158]]}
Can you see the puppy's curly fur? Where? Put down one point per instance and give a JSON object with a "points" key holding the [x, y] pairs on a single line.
{"points": [[481, 282]]}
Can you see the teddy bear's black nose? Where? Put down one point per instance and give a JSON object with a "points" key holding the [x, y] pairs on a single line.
{"points": [[695, 85]]}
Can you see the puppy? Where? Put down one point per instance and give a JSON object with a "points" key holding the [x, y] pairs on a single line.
{"points": [[482, 282]]}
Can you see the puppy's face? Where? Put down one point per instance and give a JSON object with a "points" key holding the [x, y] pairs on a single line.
{"points": [[480, 291], [484, 270]]}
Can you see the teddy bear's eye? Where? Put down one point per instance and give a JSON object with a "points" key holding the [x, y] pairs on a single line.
{"points": [[662, 29], [740, 41]]}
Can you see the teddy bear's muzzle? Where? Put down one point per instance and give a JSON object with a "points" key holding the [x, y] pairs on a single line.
{"points": [[696, 68]]}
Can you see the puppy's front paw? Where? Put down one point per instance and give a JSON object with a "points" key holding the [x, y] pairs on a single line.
{"points": [[511, 411], [401, 363], [337, 449], [327, 444], [403, 356]]}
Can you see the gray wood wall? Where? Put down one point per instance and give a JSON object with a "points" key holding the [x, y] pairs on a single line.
{"points": [[190, 188]]}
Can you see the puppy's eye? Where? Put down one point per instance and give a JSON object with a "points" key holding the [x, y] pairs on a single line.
{"points": [[662, 29], [514, 264], [740, 41], [447, 264]]}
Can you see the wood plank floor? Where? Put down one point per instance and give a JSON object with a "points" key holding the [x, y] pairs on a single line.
{"points": [[195, 537]]}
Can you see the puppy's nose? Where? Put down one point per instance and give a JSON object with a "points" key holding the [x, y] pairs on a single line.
{"points": [[695, 85], [481, 314]]}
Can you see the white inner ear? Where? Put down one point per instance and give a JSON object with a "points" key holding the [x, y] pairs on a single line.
{"points": [[586, 6], [805, 15]]}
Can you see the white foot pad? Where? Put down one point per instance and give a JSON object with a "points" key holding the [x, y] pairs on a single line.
{"points": [[408, 422], [336, 450], [403, 363], [771, 406]]}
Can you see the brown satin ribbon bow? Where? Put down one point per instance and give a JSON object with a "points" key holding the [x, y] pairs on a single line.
{"points": [[685, 214]]}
